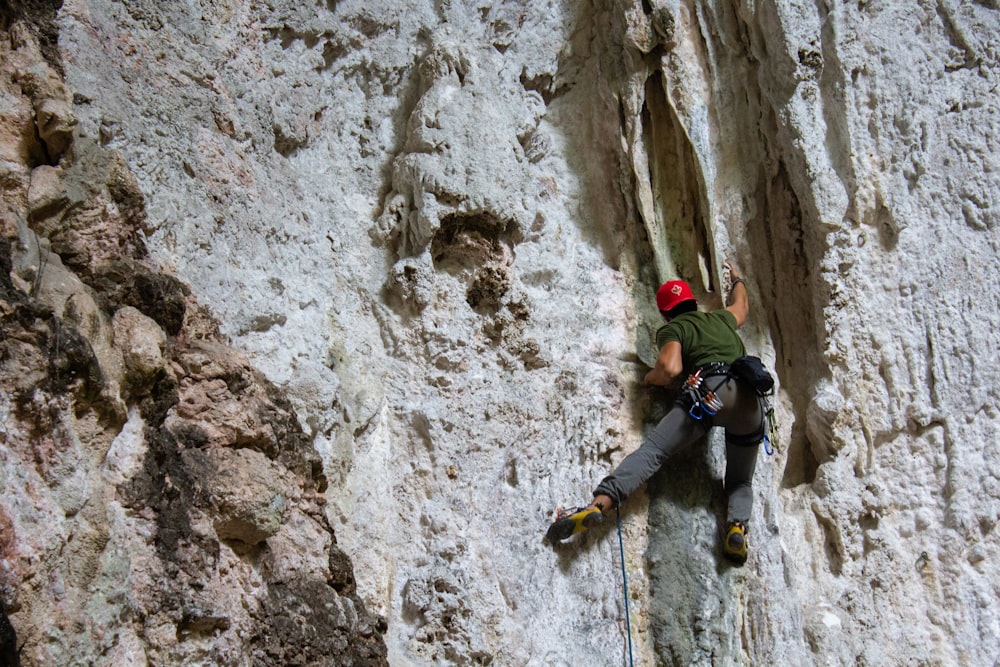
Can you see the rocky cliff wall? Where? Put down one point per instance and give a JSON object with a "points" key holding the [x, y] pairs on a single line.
{"points": [[405, 257], [161, 502]]}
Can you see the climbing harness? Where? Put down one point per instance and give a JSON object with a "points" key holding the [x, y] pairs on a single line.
{"points": [[705, 404], [628, 624]]}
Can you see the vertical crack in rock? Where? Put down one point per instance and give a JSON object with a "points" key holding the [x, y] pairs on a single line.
{"points": [[776, 238], [714, 142], [783, 246], [678, 227]]}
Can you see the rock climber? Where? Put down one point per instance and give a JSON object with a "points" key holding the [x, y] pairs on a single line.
{"points": [[700, 346]]}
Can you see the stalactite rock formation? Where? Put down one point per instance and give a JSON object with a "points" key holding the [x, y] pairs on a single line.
{"points": [[312, 314]]}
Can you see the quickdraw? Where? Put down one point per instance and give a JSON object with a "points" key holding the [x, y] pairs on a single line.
{"points": [[704, 402], [771, 435]]}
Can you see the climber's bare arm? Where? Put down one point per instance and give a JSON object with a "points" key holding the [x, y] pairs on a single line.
{"points": [[668, 366]]}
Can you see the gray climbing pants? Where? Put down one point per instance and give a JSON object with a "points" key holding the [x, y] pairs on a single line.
{"points": [[743, 419]]}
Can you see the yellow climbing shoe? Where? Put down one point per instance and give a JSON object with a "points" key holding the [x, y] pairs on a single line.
{"points": [[735, 546], [569, 523]]}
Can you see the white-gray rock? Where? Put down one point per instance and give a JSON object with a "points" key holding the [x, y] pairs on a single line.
{"points": [[438, 227]]}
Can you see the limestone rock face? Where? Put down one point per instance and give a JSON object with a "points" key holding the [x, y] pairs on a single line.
{"points": [[314, 312], [161, 502]]}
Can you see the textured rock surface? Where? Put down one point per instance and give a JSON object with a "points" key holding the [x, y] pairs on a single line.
{"points": [[161, 503], [429, 233]]}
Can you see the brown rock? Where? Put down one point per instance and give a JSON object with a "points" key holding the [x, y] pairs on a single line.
{"points": [[248, 493]]}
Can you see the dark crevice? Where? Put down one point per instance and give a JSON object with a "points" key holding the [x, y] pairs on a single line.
{"points": [[677, 189], [777, 242], [41, 15], [544, 84], [472, 240], [10, 655], [833, 545]]}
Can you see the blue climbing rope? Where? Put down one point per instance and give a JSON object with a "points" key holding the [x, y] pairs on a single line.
{"points": [[628, 624]]}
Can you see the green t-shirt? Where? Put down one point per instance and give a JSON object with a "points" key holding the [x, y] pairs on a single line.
{"points": [[704, 338]]}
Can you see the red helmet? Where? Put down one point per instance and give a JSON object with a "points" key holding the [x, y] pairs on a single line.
{"points": [[672, 293]]}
